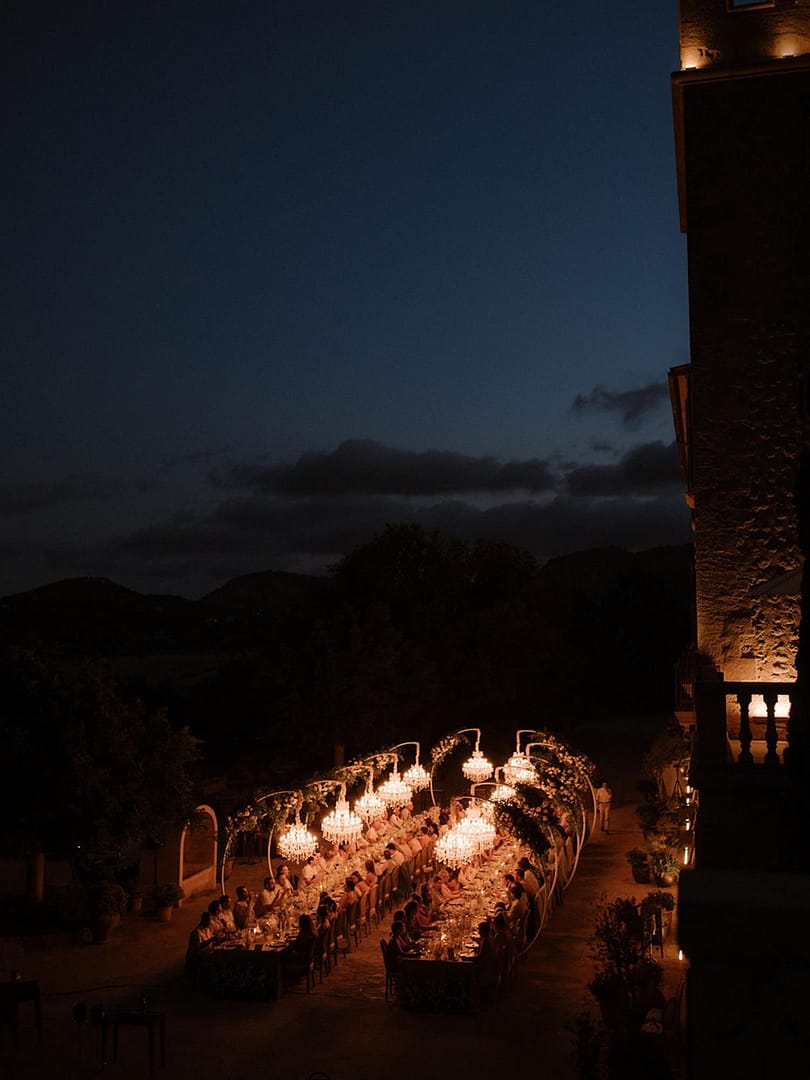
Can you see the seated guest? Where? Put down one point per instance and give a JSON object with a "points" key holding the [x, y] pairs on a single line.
{"points": [[424, 915], [412, 925], [424, 836], [397, 855], [453, 882], [398, 945], [360, 887], [243, 913], [226, 914], [268, 898], [399, 918], [370, 876], [215, 911], [326, 913], [518, 907], [349, 894], [406, 810], [413, 843], [284, 882], [304, 940], [439, 892], [200, 940], [309, 871]]}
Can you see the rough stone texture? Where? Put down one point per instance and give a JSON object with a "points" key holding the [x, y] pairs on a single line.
{"points": [[745, 181], [713, 34]]}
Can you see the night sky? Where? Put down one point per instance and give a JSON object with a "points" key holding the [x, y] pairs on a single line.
{"points": [[277, 273]]}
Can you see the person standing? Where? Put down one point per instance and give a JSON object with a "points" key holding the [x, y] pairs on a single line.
{"points": [[604, 797]]}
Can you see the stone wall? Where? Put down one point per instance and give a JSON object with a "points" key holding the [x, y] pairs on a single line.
{"points": [[744, 182]]}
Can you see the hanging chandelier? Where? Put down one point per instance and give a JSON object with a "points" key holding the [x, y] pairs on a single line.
{"points": [[477, 768], [502, 793], [519, 769], [454, 849], [477, 829], [341, 824], [416, 777], [369, 806], [395, 791], [297, 843]]}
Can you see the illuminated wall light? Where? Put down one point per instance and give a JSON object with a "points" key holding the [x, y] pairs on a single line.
{"points": [[680, 954], [759, 710], [686, 856]]}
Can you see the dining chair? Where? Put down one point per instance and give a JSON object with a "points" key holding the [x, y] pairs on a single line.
{"points": [[390, 973], [373, 906], [353, 926]]}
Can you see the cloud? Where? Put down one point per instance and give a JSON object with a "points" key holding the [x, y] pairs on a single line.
{"points": [[360, 466], [632, 405], [640, 471], [242, 528], [17, 499]]}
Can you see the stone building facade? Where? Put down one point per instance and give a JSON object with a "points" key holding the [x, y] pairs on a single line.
{"points": [[741, 106]]}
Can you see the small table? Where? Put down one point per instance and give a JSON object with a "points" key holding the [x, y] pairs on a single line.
{"points": [[15, 991], [149, 1020]]}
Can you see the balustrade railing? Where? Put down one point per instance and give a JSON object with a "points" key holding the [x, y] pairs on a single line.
{"points": [[748, 705]]}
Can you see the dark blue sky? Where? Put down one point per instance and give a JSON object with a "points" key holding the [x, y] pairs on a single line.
{"points": [[277, 273]]}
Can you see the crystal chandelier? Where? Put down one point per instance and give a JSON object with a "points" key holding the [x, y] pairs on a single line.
{"points": [[341, 824], [477, 829], [416, 778], [454, 849], [519, 769], [502, 793], [297, 843], [369, 806], [395, 791], [477, 768]]}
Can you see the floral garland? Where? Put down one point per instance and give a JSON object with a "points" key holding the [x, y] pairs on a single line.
{"points": [[528, 828], [445, 747]]}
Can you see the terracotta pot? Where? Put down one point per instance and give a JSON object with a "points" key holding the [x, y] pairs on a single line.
{"points": [[668, 878], [164, 914], [135, 902], [641, 874]]}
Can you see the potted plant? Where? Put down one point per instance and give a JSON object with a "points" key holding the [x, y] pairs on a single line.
{"points": [[639, 864], [664, 866], [135, 900], [616, 946], [107, 902], [166, 896]]}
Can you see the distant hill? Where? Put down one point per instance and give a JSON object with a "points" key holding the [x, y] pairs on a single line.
{"points": [[97, 617], [270, 591]]}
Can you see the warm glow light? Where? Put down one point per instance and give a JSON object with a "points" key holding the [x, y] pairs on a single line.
{"points": [[477, 768], [479, 831], [454, 849], [341, 824], [680, 954], [416, 777], [369, 806], [759, 710], [395, 791], [519, 770], [297, 843], [686, 856]]}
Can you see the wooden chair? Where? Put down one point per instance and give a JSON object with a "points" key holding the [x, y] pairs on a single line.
{"points": [[322, 962], [363, 917], [373, 906], [297, 964], [340, 929], [390, 972], [353, 925]]}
